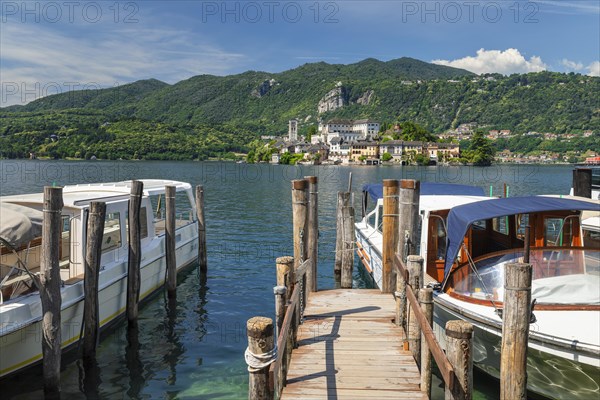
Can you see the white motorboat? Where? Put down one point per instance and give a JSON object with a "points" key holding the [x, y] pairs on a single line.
{"points": [[466, 239], [20, 233]]}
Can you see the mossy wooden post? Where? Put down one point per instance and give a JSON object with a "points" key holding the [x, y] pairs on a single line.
{"points": [[93, 253], [202, 255], [50, 290], [582, 182], [135, 251], [260, 342], [408, 238], [459, 350], [414, 266], [515, 331], [299, 219], [285, 274], [312, 232], [426, 301], [390, 233], [170, 241], [343, 200], [348, 247]]}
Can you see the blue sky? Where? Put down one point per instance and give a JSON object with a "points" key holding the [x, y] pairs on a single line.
{"points": [[53, 46]]}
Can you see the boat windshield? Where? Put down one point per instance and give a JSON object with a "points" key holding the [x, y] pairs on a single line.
{"points": [[560, 276]]}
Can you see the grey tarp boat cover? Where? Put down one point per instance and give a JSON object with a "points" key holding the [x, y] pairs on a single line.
{"points": [[19, 224]]}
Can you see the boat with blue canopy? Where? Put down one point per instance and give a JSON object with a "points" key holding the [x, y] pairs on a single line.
{"points": [[466, 240]]}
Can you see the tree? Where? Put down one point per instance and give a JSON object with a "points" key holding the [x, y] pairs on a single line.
{"points": [[312, 130], [481, 152], [386, 156], [411, 131]]}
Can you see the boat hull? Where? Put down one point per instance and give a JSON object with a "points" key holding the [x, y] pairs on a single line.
{"points": [[20, 333], [550, 372]]}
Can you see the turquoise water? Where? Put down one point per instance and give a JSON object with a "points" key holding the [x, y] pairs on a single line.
{"points": [[193, 349]]}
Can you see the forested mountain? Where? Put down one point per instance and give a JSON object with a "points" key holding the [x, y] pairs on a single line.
{"points": [[221, 114]]}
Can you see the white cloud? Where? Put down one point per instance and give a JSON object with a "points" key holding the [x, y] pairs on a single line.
{"points": [[36, 56], [504, 62], [571, 65], [594, 68]]}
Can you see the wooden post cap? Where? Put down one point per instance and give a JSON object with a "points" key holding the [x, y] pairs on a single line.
{"points": [[409, 184], [279, 290], [311, 179], [259, 327], [285, 260], [459, 329], [390, 183], [299, 184]]}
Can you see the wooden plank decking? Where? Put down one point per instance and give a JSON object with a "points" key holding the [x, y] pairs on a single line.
{"points": [[349, 348]]}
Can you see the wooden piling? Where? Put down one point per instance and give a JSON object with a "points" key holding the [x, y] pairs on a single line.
{"points": [[280, 293], [170, 241], [527, 241], [343, 200], [285, 274], [202, 255], [515, 331], [426, 301], [348, 247], [408, 238], [299, 219], [313, 232], [135, 251], [50, 290], [390, 233], [582, 182], [93, 253], [414, 266], [459, 350], [260, 343]]}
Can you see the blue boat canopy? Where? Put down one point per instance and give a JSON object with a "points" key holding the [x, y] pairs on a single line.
{"points": [[428, 189], [461, 217]]}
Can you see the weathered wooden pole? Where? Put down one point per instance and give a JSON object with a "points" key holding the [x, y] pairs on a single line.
{"points": [[299, 219], [93, 253], [259, 352], [348, 247], [313, 232], [400, 296], [135, 251], [415, 279], [515, 331], [582, 182], [285, 274], [426, 301], [280, 306], [390, 233], [343, 200], [170, 241], [50, 290], [408, 236], [459, 350], [202, 255], [527, 240]]}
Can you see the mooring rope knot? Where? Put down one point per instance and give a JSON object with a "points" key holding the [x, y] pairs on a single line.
{"points": [[256, 362]]}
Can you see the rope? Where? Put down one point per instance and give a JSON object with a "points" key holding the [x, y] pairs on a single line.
{"points": [[256, 362]]}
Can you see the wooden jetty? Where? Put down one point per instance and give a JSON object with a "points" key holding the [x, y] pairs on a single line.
{"points": [[350, 348], [369, 344]]}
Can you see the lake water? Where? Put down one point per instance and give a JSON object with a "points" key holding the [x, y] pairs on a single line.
{"points": [[194, 349]]}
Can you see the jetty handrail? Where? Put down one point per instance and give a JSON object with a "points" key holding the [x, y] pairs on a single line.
{"points": [[446, 369], [285, 343]]}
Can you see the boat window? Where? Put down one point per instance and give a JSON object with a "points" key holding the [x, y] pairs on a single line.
{"points": [[560, 276], [112, 232], [522, 222], [591, 239], [500, 225], [558, 231], [479, 224], [143, 224], [65, 240]]}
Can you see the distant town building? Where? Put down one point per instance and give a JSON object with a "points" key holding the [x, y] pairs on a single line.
{"points": [[293, 130]]}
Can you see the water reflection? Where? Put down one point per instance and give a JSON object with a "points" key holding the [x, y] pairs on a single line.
{"points": [[133, 363]]}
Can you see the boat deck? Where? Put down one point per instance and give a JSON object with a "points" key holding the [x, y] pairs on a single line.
{"points": [[349, 348]]}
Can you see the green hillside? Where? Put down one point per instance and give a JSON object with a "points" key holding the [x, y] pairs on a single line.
{"points": [[217, 115]]}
